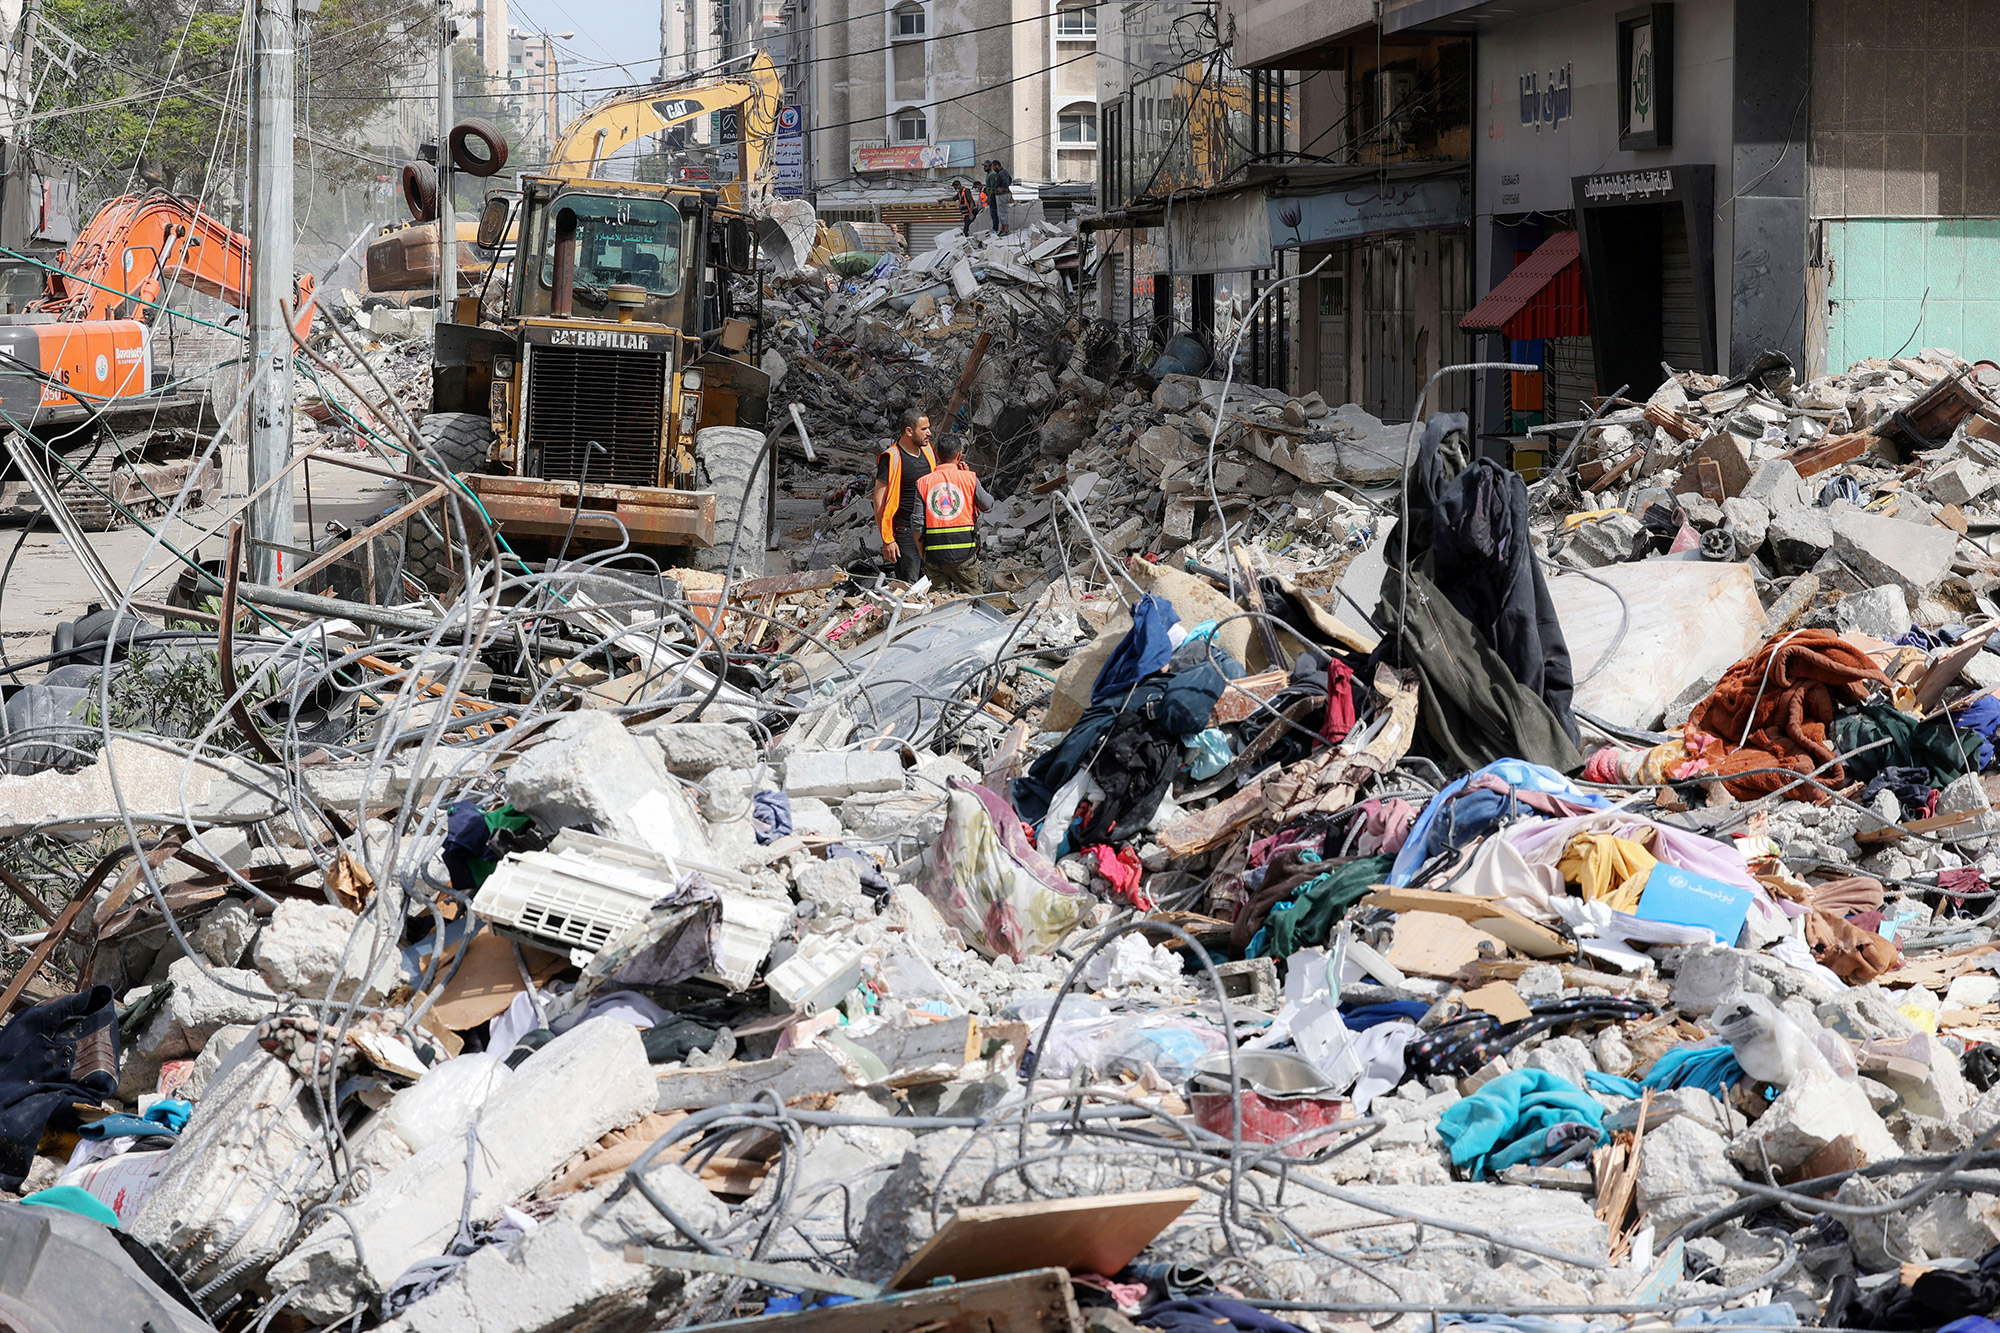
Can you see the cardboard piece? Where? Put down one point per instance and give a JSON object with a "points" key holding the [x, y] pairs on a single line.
{"points": [[1500, 1000], [488, 980], [1431, 944], [1098, 1233], [1518, 932], [1683, 898]]}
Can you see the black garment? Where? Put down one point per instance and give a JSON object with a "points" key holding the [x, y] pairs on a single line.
{"points": [[54, 1054], [1135, 767], [676, 1039], [1935, 1299], [1212, 1315], [1480, 556], [909, 565], [1470, 709], [915, 468], [1981, 1065]]}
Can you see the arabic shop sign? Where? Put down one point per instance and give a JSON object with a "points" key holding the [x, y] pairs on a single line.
{"points": [[1545, 98], [1629, 184]]}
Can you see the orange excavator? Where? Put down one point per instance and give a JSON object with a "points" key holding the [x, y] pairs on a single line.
{"points": [[84, 352]]}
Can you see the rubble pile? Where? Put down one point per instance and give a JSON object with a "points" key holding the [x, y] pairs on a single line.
{"points": [[1331, 879]]}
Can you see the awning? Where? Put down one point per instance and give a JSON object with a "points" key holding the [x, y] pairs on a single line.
{"points": [[1541, 298]]}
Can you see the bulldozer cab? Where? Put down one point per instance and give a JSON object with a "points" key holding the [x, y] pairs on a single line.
{"points": [[611, 359]]}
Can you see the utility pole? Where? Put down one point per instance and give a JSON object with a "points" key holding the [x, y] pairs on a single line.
{"points": [[271, 86], [447, 223]]}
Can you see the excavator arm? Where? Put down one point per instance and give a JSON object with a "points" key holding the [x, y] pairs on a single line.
{"points": [[592, 137], [122, 261]]}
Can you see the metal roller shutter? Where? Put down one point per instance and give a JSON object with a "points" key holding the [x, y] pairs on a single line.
{"points": [[1680, 312], [1569, 378], [923, 235]]}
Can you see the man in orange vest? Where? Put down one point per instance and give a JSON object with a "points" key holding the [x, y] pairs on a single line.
{"points": [[898, 469], [952, 498]]}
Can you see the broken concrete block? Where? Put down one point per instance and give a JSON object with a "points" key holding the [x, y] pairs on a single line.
{"points": [[1887, 550], [151, 782], [1960, 483], [588, 769], [1700, 512], [1967, 795], [1799, 536], [219, 1048], [833, 775], [1730, 454], [224, 935], [572, 1272], [1682, 1173], [1811, 1113], [1707, 974], [1776, 485], [323, 952], [1882, 612], [527, 1129], [694, 749], [249, 1165], [1605, 541], [199, 1008], [1176, 393], [1747, 521]]}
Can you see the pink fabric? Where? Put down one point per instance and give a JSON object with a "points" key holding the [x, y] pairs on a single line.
{"points": [[1262, 850], [1385, 825], [1129, 1296], [1339, 702], [1121, 866], [1602, 766]]}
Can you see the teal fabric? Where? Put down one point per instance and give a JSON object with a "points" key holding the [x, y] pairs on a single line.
{"points": [[1612, 1084], [71, 1199], [1507, 1121]]}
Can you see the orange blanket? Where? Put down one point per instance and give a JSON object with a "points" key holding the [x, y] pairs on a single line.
{"points": [[1785, 695]]}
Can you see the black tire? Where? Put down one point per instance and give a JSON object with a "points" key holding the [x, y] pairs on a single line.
{"points": [[420, 190], [478, 148], [729, 460], [459, 442]]}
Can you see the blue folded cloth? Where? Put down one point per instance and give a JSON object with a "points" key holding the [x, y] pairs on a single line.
{"points": [[166, 1116], [1507, 1122], [1710, 1068], [1611, 1083]]}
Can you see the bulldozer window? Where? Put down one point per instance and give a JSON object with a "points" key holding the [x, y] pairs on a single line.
{"points": [[620, 241]]}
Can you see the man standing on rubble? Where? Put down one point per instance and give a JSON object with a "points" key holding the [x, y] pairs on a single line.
{"points": [[898, 512], [997, 183], [952, 499], [968, 207]]}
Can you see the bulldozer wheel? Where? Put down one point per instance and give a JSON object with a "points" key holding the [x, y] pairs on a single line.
{"points": [[478, 148], [729, 460], [459, 442]]}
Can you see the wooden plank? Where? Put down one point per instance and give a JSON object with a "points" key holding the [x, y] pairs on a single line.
{"points": [[1037, 1302], [1605, 482], [1710, 473], [1809, 460], [1529, 936], [1882, 837], [1098, 1233]]}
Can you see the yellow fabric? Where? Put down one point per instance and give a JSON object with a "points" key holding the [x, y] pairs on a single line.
{"points": [[1608, 869]]}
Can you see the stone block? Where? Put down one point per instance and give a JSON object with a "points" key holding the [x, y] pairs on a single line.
{"points": [[206, 1065], [248, 1166], [224, 935], [1808, 1115], [1606, 541], [199, 1008], [1565, 1057], [1961, 482], [1798, 537], [1882, 612], [1700, 512], [1682, 1173], [693, 749], [1730, 453], [1176, 393], [1887, 550], [530, 1126], [1747, 521], [587, 769], [1967, 795], [834, 775], [1707, 974], [318, 951], [1776, 485]]}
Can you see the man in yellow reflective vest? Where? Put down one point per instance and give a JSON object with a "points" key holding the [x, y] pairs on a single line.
{"points": [[951, 499], [898, 516]]}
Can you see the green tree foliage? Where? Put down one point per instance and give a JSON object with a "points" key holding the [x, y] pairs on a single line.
{"points": [[158, 94]]}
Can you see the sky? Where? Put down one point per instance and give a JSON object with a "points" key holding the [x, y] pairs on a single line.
{"points": [[606, 31]]}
